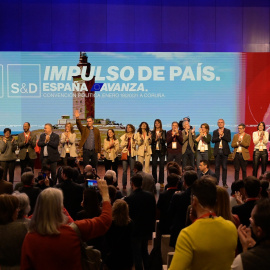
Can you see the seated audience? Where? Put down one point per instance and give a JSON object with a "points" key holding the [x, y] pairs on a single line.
{"points": [[12, 233], [113, 174], [44, 179], [252, 191], [237, 189], [255, 251], [24, 207], [5, 186], [112, 193], [109, 177], [50, 243], [28, 187], [73, 193], [118, 238], [173, 167], [210, 242], [164, 203], [179, 205]]}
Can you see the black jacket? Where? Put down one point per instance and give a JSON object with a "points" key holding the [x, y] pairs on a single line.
{"points": [[225, 141]]}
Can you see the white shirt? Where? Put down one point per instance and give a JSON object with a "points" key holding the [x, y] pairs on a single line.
{"points": [[256, 140]]}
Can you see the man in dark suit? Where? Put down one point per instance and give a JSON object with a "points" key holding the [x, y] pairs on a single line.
{"points": [[27, 144], [179, 205], [142, 210], [49, 154], [5, 186], [204, 169], [221, 139], [252, 191], [73, 193]]}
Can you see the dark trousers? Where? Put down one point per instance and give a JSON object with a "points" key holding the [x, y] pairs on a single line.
{"points": [[175, 156], [157, 155], [239, 162], [8, 167], [111, 165], [257, 156], [90, 155], [221, 160], [131, 162], [201, 156], [53, 166], [27, 162], [188, 158], [140, 252]]}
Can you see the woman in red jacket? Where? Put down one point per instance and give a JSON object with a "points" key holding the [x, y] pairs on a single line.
{"points": [[50, 243]]}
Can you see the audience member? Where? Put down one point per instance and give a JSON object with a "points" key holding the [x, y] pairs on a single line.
{"points": [[237, 188], [210, 242], [51, 244], [264, 188], [179, 205], [118, 238], [252, 191], [5, 186], [113, 174], [112, 193], [12, 233], [73, 193], [142, 210], [148, 183], [109, 177], [28, 180], [255, 253], [164, 203], [24, 207], [204, 169]]}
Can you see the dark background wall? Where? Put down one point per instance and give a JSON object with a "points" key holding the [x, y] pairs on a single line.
{"points": [[135, 25]]}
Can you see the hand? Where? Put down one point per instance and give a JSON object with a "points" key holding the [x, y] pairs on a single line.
{"points": [[103, 189], [239, 139], [4, 140], [12, 140], [246, 240], [47, 138], [77, 114], [98, 155], [238, 197]]}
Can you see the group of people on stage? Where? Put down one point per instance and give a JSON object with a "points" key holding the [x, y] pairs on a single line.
{"points": [[180, 144]]}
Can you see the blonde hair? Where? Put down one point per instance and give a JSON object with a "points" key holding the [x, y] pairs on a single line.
{"points": [[71, 127], [120, 213], [48, 215], [222, 207]]}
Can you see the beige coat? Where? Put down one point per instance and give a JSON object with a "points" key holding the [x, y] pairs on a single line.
{"points": [[244, 144], [71, 145], [144, 145], [124, 144], [111, 153]]}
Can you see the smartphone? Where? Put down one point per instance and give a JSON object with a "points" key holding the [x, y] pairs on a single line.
{"points": [[44, 175], [92, 183]]}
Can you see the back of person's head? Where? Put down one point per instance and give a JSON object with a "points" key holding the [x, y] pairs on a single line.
{"points": [[210, 178], [109, 179], [120, 213], [24, 204], [190, 177], [48, 215], [188, 168], [267, 176], [252, 187], [261, 216], [71, 162], [173, 167], [91, 203], [89, 175], [1, 173], [136, 180], [88, 168], [112, 192], [27, 169], [112, 173], [8, 205], [27, 178], [138, 166], [222, 207], [205, 191], [68, 172], [172, 180], [236, 186], [45, 168], [264, 187]]}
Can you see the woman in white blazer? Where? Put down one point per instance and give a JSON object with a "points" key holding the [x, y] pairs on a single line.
{"points": [[111, 147], [144, 140], [67, 141], [129, 152], [260, 140]]}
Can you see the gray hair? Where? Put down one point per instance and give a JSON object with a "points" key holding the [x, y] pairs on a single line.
{"points": [[24, 204], [48, 215], [112, 173]]}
